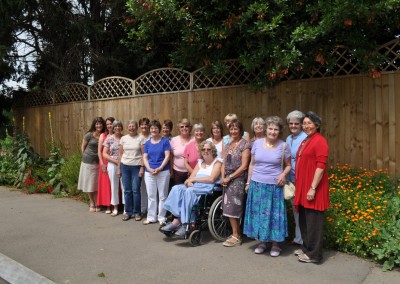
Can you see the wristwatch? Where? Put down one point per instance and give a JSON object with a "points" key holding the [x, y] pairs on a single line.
{"points": [[230, 177]]}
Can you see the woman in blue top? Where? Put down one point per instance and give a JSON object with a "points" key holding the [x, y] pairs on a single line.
{"points": [[295, 121], [156, 161]]}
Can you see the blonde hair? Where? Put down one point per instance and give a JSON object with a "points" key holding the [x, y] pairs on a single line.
{"points": [[230, 117], [185, 121]]}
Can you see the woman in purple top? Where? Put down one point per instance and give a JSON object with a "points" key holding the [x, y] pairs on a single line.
{"points": [[265, 217], [156, 161]]}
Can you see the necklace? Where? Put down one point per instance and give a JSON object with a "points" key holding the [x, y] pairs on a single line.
{"points": [[269, 145], [233, 145]]}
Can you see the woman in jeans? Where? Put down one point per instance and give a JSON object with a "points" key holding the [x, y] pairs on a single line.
{"points": [[130, 169]]}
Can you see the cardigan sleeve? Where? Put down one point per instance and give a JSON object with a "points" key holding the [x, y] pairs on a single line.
{"points": [[321, 153]]}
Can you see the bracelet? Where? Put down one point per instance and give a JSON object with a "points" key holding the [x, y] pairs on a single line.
{"points": [[312, 187], [247, 183]]}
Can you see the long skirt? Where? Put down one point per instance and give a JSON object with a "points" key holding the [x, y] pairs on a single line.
{"points": [[104, 192], [88, 177], [181, 200], [265, 217]]}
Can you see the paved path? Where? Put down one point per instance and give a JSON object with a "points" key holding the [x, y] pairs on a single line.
{"points": [[59, 239]]}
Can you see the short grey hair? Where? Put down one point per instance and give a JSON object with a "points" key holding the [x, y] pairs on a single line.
{"points": [[211, 144], [276, 120], [296, 114], [131, 121], [116, 123], [258, 120], [199, 126]]}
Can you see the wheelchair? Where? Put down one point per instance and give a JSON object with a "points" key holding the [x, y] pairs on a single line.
{"points": [[208, 212]]}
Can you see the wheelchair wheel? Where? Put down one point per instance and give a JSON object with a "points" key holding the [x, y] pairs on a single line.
{"points": [[195, 238], [219, 226]]}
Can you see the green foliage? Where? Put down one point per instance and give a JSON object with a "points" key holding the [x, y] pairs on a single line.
{"points": [[388, 250], [55, 162], [7, 162], [26, 158], [70, 172], [270, 38], [364, 214]]}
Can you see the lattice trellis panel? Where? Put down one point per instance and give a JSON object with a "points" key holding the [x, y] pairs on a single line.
{"points": [[166, 80], [163, 80], [112, 87], [37, 99], [73, 92], [233, 77], [391, 51], [346, 64]]}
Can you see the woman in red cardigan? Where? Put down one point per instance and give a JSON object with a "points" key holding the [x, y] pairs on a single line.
{"points": [[312, 189]]}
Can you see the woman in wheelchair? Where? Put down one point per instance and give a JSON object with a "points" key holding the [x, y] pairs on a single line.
{"points": [[183, 197]]}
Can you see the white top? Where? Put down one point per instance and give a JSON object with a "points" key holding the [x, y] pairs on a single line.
{"points": [[218, 146], [208, 169], [132, 154]]}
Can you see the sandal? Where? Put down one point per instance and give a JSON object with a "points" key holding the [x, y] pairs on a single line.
{"points": [[98, 209], [125, 217], [298, 252], [92, 208], [275, 251], [304, 258], [138, 218], [232, 241], [261, 248], [108, 212], [115, 213], [147, 222]]}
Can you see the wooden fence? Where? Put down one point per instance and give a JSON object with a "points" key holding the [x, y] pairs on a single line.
{"points": [[359, 113]]}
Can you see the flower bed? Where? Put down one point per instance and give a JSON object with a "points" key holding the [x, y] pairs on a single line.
{"points": [[364, 217]]}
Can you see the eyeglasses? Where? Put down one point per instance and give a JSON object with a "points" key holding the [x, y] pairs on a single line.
{"points": [[205, 149], [184, 126]]}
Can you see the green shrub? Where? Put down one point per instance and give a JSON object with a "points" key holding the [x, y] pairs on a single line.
{"points": [[7, 162], [26, 158], [70, 172], [363, 215], [54, 174]]}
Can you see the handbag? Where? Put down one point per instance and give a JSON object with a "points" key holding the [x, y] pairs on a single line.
{"points": [[289, 190]]}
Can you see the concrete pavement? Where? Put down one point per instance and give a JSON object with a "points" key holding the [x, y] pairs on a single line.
{"points": [[59, 240]]}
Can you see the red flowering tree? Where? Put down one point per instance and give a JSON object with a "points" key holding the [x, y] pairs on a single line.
{"points": [[269, 37]]}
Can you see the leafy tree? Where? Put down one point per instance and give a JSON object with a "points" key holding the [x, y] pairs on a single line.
{"points": [[268, 37], [48, 42]]}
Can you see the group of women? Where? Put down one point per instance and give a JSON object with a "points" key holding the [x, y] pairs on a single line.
{"points": [[255, 167]]}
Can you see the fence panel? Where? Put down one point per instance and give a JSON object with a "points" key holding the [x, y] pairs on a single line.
{"points": [[359, 114]]}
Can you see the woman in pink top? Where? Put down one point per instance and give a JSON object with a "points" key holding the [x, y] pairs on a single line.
{"points": [[191, 153], [178, 144]]}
